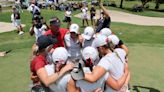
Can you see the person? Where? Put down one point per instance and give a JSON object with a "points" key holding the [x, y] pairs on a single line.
{"points": [[34, 10], [39, 75], [68, 17], [38, 28], [115, 42], [51, 3], [18, 5], [87, 36], [93, 15], [59, 57], [106, 32], [56, 32], [16, 19], [121, 53], [72, 42], [108, 63], [90, 58], [105, 20], [84, 10]]}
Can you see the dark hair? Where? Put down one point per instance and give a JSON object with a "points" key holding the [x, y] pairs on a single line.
{"points": [[55, 20], [67, 8], [107, 46]]}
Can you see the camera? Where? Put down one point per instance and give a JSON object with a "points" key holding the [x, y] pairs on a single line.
{"points": [[37, 20]]}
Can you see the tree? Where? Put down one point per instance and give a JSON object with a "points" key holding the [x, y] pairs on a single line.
{"points": [[144, 2], [157, 4], [121, 3]]}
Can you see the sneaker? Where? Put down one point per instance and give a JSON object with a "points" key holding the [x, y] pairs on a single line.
{"points": [[21, 32]]}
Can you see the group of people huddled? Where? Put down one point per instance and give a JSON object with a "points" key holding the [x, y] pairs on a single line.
{"points": [[64, 60]]}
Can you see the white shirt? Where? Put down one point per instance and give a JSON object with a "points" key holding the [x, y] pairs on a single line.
{"points": [[40, 31], [73, 47], [84, 10], [86, 86], [68, 13], [30, 8], [61, 84], [114, 65]]}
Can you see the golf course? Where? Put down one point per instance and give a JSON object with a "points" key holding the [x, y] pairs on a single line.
{"points": [[145, 43]]}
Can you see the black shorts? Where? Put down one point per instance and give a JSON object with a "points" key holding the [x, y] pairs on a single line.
{"points": [[92, 17], [68, 19]]}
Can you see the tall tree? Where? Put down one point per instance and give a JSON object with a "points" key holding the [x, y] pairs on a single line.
{"points": [[121, 3]]}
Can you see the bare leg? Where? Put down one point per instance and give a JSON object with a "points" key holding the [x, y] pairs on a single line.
{"points": [[87, 22], [83, 22], [92, 22], [68, 24]]}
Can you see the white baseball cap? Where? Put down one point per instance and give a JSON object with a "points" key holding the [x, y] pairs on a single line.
{"points": [[60, 54], [105, 31], [114, 39], [121, 54], [74, 28], [100, 40], [88, 33], [90, 52]]}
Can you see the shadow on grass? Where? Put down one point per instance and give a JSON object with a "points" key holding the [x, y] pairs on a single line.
{"points": [[136, 88]]}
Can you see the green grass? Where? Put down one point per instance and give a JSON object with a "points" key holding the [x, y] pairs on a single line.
{"points": [[146, 45], [146, 65]]}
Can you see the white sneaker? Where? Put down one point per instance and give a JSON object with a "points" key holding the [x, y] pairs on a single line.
{"points": [[21, 32]]}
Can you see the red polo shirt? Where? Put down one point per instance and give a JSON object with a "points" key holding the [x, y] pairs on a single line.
{"points": [[60, 37]]}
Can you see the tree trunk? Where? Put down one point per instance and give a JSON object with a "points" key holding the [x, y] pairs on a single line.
{"points": [[157, 4], [121, 3]]}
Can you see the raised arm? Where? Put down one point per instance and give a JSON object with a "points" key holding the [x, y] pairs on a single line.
{"points": [[105, 11]]}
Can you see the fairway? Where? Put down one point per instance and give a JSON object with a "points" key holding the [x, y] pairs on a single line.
{"points": [[146, 52]]}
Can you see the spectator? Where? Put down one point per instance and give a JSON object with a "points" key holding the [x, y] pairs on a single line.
{"points": [[39, 75], [38, 28], [104, 21], [56, 32], [68, 16], [18, 5], [34, 9], [93, 15], [84, 16], [16, 20], [51, 3]]}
